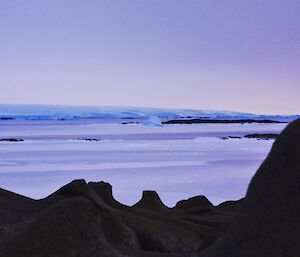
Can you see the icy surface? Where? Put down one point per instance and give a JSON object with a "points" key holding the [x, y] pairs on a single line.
{"points": [[153, 121], [45, 112], [178, 161]]}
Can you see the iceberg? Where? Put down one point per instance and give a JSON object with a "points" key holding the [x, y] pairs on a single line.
{"points": [[153, 121]]}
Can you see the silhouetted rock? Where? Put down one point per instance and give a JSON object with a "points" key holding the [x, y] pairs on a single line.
{"points": [[104, 190], [83, 219], [74, 189], [194, 202], [150, 201], [11, 140], [268, 223], [231, 205]]}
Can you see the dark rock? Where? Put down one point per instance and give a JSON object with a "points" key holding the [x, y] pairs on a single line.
{"points": [[230, 137], [89, 139], [68, 228], [150, 201], [11, 140], [231, 205], [76, 188], [131, 122], [194, 202], [221, 121], [262, 136], [7, 118], [83, 219], [104, 190], [268, 223]]}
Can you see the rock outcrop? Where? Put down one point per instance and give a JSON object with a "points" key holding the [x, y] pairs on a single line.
{"points": [[268, 222], [194, 202], [83, 219], [150, 201]]}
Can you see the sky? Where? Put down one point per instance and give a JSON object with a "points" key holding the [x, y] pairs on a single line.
{"points": [[200, 54]]}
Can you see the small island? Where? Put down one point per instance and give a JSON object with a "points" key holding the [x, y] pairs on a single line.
{"points": [[7, 118], [11, 140], [89, 139], [262, 136], [255, 136], [219, 121]]}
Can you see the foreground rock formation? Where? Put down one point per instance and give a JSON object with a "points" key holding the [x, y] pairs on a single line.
{"points": [[268, 223], [83, 219]]}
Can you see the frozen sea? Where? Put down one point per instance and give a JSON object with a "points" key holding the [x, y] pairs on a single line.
{"points": [[178, 161]]}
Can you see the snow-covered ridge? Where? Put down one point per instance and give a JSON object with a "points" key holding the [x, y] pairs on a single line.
{"points": [[57, 112]]}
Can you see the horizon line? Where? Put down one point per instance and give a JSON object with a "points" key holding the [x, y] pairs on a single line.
{"points": [[144, 107]]}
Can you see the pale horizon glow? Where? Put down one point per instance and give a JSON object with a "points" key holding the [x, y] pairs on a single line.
{"points": [[227, 55]]}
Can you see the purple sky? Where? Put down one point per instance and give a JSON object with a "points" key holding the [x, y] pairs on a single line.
{"points": [[225, 55]]}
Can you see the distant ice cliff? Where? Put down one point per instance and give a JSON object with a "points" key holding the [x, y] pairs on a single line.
{"points": [[58, 112]]}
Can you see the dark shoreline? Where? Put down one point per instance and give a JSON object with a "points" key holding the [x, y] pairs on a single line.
{"points": [[258, 136], [220, 121], [11, 140]]}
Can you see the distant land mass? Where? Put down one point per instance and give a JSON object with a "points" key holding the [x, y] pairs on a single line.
{"points": [[209, 121], [10, 112]]}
